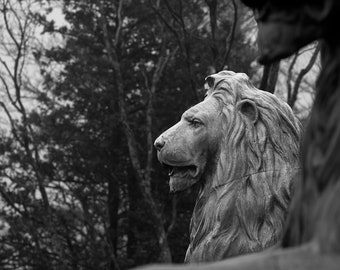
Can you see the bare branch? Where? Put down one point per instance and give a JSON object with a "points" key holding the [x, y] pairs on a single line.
{"points": [[8, 27], [13, 127], [9, 95], [174, 14], [18, 19], [7, 68], [9, 201], [302, 73]]}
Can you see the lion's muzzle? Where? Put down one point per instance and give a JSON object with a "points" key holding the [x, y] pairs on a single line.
{"points": [[182, 170]]}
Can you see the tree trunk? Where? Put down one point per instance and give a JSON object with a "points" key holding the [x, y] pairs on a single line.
{"points": [[113, 206], [269, 77]]}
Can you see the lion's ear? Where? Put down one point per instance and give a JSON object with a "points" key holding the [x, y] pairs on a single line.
{"points": [[209, 83], [249, 109]]}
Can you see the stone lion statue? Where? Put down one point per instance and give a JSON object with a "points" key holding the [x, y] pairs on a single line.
{"points": [[241, 145]]}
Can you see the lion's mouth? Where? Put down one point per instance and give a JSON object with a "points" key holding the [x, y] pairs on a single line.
{"points": [[182, 171], [182, 177]]}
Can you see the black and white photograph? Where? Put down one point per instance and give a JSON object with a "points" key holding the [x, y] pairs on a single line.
{"points": [[169, 135]]}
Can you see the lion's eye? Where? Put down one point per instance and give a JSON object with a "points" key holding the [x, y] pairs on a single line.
{"points": [[195, 122]]}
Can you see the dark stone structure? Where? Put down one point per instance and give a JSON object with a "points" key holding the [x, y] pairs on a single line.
{"points": [[285, 26]]}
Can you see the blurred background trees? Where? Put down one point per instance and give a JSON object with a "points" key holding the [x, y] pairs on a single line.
{"points": [[86, 87]]}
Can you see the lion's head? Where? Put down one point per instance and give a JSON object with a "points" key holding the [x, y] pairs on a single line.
{"points": [[242, 145]]}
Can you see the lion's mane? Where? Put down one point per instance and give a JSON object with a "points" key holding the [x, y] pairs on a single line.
{"points": [[243, 202]]}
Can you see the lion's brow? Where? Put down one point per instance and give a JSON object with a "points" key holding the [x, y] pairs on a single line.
{"points": [[190, 112]]}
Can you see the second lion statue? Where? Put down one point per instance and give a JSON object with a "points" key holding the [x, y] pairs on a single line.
{"points": [[241, 145]]}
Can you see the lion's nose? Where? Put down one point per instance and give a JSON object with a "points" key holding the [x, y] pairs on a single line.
{"points": [[159, 143]]}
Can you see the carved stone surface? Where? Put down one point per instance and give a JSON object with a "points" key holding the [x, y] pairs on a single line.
{"points": [[241, 145]]}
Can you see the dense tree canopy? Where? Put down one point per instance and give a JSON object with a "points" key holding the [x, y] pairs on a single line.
{"points": [[80, 184]]}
